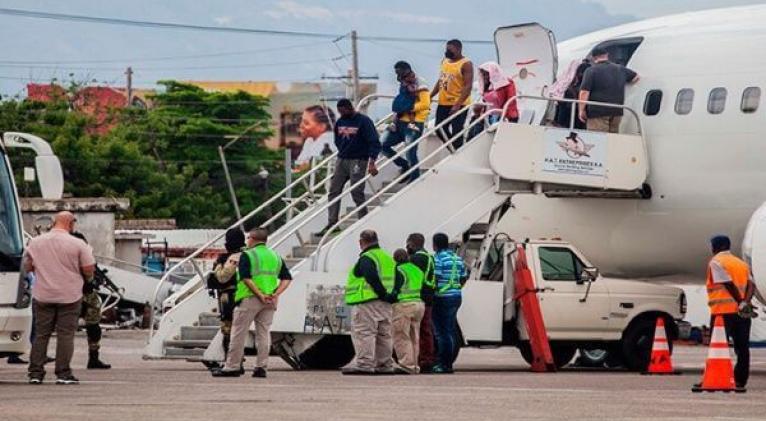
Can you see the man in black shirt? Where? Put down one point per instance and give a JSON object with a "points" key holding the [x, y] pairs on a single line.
{"points": [[604, 82], [358, 147]]}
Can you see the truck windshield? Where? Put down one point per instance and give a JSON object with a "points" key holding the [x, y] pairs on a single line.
{"points": [[10, 230]]}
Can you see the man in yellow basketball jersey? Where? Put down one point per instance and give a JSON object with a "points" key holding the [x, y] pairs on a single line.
{"points": [[454, 90]]}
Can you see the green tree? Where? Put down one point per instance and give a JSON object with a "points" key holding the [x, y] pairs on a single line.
{"points": [[165, 158]]}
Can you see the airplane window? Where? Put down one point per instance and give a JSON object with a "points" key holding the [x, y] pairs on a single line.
{"points": [[716, 101], [684, 101], [652, 102], [751, 97]]}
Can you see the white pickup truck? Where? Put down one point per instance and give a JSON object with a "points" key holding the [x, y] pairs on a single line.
{"points": [[581, 309]]}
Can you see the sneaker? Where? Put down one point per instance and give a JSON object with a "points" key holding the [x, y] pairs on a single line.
{"points": [[35, 380], [68, 380], [327, 228], [441, 370], [356, 371], [402, 370], [259, 372], [226, 373]]}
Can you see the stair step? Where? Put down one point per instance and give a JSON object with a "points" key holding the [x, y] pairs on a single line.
{"points": [[304, 251], [209, 319], [479, 228], [173, 353], [186, 343], [206, 333], [292, 261]]}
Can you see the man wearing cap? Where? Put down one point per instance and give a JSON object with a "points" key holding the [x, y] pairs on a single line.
{"points": [[730, 289], [604, 82]]}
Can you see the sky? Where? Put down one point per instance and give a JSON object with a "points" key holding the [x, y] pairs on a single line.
{"points": [[36, 50]]}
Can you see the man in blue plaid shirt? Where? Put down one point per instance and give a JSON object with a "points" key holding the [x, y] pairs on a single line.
{"points": [[451, 274]]}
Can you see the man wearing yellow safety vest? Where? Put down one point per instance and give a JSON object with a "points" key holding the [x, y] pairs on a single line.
{"points": [[408, 312], [730, 290], [425, 262], [262, 277], [454, 90], [369, 291], [450, 273]]}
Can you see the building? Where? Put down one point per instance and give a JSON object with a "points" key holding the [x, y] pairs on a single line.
{"points": [[100, 102], [286, 102]]}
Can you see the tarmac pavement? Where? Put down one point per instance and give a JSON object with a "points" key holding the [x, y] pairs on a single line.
{"points": [[490, 384]]}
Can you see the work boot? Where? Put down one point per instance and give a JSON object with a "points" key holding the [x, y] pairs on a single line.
{"points": [[226, 373], [95, 364], [259, 372]]}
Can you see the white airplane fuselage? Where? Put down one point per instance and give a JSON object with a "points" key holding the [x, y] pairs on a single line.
{"points": [[707, 171]]}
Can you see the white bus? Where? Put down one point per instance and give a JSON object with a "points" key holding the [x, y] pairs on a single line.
{"points": [[15, 292]]}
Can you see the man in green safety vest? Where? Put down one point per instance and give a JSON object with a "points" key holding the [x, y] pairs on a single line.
{"points": [[408, 312], [369, 291], [262, 277], [425, 261]]}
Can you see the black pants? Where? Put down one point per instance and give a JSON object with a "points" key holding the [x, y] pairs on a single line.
{"points": [[453, 127], [738, 329]]}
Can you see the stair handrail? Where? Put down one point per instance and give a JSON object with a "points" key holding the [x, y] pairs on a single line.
{"points": [[401, 177], [368, 176], [639, 127], [363, 103], [264, 205]]}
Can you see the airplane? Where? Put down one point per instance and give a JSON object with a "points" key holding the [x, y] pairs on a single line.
{"points": [[702, 74]]}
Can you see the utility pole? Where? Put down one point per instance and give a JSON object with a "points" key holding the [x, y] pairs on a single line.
{"points": [[355, 67], [129, 74]]}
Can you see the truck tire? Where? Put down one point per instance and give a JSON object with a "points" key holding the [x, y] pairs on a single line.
{"points": [[562, 354], [329, 353], [636, 344]]}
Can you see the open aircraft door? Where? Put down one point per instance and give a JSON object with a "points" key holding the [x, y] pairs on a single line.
{"points": [[528, 54]]}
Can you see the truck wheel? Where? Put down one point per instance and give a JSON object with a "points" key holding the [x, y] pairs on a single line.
{"points": [[329, 353], [637, 344], [602, 357], [562, 354]]}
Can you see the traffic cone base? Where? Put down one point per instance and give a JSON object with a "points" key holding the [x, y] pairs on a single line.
{"points": [[719, 372], [660, 362]]}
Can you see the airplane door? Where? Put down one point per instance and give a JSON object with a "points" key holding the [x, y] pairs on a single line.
{"points": [[528, 54]]}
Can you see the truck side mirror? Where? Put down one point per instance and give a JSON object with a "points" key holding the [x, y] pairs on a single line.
{"points": [[589, 275]]}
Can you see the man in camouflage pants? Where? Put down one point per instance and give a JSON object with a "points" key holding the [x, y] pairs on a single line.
{"points": [[91, 313]]}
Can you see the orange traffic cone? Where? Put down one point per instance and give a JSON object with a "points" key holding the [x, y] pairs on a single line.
{"points": [[660, 362], [719, 373]]}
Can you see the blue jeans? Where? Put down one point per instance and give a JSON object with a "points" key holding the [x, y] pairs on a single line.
{"points": [[445, 328], [404, 133]]}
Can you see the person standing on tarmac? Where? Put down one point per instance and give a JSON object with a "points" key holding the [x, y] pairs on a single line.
{"points": [[60, 262], [408, 312], [262, 277], [425, 262], [730, 289], [91, 314], [450, 273], [369, 292], [222, 280]]}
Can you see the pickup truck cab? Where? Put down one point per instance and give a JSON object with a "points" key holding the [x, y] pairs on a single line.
{"points": [[581, 308]]}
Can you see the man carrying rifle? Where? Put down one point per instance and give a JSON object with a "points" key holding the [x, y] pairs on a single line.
{"points": [[91, 313]]}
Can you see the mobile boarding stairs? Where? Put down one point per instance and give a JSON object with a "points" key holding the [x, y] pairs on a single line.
{"points": [[457, 192]]}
